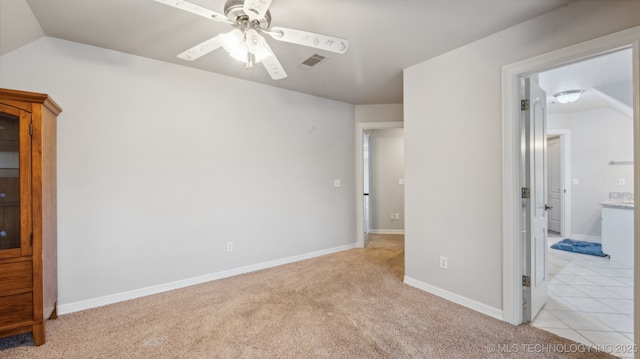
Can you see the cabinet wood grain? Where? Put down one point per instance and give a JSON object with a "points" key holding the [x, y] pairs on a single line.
{"points": [[28, 222]]}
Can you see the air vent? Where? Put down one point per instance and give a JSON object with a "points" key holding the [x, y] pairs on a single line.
{"points": [[313, 60]]}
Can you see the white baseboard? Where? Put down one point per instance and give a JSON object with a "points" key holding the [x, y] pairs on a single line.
{"points": [[586, 238], [458, 299], [386, 231], [143, 292]]}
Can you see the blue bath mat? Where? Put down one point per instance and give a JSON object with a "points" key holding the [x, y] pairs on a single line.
{"points": [[582, 247]]}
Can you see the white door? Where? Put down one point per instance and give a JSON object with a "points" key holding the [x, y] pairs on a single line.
{"points": [[535, 156], [366, 175], [555, 180]]}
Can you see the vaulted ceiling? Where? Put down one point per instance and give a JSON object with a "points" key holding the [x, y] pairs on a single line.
{"points": [[607, 81], [385, 36]]}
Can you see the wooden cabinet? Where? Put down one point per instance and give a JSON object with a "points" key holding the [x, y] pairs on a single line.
{"points": [[28, 221]]}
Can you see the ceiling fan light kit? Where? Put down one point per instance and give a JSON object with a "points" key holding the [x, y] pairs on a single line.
{"points": [[246, 47], [251, 18]]}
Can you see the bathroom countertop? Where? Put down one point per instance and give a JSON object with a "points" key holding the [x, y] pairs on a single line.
{"points": [[622, 200], [617, 204]]}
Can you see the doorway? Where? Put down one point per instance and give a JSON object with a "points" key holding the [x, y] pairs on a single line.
{"points": [[363, 221], [384, 181], [562, 163], [554, 180], [514, 250], [589, 298]]}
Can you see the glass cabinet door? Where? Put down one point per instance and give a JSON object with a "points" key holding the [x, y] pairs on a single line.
{"points": [[15, 218]]}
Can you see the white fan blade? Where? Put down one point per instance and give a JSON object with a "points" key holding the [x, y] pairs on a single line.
{"points": [[195, 9], [271, 63], [323, 42], [201, 49], [256, 9]]}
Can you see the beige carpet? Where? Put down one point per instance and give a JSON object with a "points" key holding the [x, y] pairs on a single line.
{"points": [[389, 251], [351, 304]]}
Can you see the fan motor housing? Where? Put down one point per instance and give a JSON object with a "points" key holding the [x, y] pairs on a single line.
{"points": [[234, 11]]}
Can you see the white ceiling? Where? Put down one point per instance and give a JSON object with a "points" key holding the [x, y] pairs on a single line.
{"points": [[385, 36], [607, 81]]}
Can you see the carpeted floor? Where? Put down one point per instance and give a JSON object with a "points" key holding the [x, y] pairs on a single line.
{"points": [[388, 251], [351, 304]]}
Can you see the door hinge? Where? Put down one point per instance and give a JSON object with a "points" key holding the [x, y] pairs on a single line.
{"points": [[31, 129], [526, 281], [526, 193], [524, 105]]}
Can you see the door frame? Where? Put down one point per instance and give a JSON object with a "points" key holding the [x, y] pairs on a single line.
{"points": [[513, 247], [366, 135], [360, 128], [565, 168]]}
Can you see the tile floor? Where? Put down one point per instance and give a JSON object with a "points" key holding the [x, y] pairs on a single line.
{"points": [[590, 299]]}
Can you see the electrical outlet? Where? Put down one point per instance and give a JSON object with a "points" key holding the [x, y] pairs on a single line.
{"points": [[397, 216], [229, 246], [444, 262]]}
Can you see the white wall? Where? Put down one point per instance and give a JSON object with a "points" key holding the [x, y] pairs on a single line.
{"points": [[558, 121], [387, 168], [597, 137], [379, 113], [161, 165], [453, 149]]}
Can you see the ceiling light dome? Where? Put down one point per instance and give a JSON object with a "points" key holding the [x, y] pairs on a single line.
{"points": [[568, 96]]}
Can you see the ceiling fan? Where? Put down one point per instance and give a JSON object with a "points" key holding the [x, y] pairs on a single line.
{"points": [[251, 19]]}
